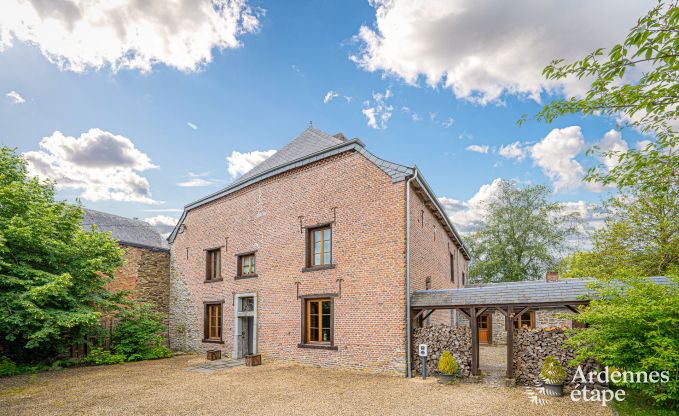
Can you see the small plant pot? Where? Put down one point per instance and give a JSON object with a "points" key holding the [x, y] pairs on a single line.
{"points": [[253, 360], [553, 390], [446, 378]]}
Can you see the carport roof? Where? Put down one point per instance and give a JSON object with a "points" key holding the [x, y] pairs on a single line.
{"points": [[565, 291]]}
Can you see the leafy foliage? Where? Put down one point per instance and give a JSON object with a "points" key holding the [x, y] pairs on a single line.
{"points": [[552, 371], [447, 364], [649, 104], [52, 272], [99, 356], [137, 336], [634, 327], [522, 237]]}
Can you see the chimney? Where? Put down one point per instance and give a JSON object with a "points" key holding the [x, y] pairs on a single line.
{"points": [[552, 277]]}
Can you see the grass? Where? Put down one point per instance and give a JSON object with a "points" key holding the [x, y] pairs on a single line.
{"points": [[637, 405]]}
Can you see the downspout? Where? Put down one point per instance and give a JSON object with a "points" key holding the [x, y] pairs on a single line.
{"points": [[408, 329]]}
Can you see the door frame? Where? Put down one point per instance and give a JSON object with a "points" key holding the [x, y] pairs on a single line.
{"points": [[237, 327], [489, 329]]}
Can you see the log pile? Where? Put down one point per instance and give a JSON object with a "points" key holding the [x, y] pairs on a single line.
{"points": [[439, 338], [531, 347]]}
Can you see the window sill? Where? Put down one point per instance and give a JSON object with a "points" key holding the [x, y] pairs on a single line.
{"points": [[221, 279], [318, 347], [213, 341], [315, 268], [246, 276]]}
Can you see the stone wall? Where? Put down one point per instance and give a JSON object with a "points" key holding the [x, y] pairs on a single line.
{"points": [[531, 347], [441, 338]]}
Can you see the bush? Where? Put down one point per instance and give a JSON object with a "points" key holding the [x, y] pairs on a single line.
{"points": [[8, 367], [552, 371], [634, 327], [137, 335], [99, 356], [447, 364]]}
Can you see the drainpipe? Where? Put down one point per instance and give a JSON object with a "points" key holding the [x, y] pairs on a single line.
{"points": [[408, 339]]}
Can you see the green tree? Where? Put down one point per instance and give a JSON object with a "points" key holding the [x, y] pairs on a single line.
{"points": [[52, 272], [650, 103], [522, 237]]}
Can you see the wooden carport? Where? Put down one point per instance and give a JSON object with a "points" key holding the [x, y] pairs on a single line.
{"points": [[510, 299]]}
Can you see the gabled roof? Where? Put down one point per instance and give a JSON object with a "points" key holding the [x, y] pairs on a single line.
{"points": [[130, 232], [516, 293], [309, 147]]}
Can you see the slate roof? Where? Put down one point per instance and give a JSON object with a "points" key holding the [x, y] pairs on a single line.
{"points": [[310, 146], [519, 293], [128, 231]]}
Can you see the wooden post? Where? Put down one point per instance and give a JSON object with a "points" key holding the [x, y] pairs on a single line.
{"points": [[509, 319], [473, 323]]}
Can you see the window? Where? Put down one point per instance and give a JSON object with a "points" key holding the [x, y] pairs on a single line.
{"points": [[246, 265], [464, 280], [213, 322], [427, 283], [320, 247], [452, 269], [525, 321], [214, 265], [318, 321]]}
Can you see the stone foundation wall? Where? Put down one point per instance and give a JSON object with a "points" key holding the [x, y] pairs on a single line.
{"points": [[531, 347], [441, 338]]}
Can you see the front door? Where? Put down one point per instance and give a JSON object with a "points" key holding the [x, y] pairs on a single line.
{"points": [[245, 325], [484, 328]]}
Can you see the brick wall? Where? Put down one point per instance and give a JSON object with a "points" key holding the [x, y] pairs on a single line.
{"points": [[367, 212], [430, 250]]}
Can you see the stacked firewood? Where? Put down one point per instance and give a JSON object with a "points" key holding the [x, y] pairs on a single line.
{"points": [[439, 338], [531, 347]]}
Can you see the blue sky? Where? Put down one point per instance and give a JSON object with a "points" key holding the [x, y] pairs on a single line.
{"points": [[446, 78]]}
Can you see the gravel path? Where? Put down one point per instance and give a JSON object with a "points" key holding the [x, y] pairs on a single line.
{"points": [[166, 387]]}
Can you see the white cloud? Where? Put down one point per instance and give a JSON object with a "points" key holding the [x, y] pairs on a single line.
{"points": [[447, 122], [329, 96], [467, 216], [593, 215], [513, 151], [440, 41], [195, 182], [192, 125], [15, 97], [102, 164], [127, 34], [378, 112], [478, 149], [161, 220], [555, 155], [164, 210], [239, 163], [612, 142]]}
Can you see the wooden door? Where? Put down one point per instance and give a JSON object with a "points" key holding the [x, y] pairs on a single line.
{"points": [[484, 328]]}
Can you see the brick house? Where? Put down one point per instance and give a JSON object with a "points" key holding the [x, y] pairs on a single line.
{"points": [[311, 256], [146, 271]]}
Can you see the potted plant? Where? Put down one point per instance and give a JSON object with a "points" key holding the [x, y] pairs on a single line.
{"points": [[448, 367], [553, 374]]}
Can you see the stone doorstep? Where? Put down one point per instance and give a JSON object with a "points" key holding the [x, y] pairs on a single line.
{"points": [[217, 365]]}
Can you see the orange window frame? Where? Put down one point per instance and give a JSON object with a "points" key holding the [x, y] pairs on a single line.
{"points": [[319, 339], [323, 231], [251, 269], [213, 320], [531, 318], [214, 265]]}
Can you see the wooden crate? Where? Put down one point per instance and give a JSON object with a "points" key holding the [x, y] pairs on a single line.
{"points": [[253, 360], [214, 355]]}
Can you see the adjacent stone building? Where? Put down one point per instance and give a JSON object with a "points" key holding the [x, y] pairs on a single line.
{"points": [[308, 257], [146, 271]]}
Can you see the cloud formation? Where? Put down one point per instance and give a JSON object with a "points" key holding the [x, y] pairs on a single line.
{"points": [[195, 182], [378, 112], [611, 142], [467, 216], [78, 35], [15, 97], [513, 151], [103, 165], [478, 149], [440, 41], [555, 155], [239, 163]]}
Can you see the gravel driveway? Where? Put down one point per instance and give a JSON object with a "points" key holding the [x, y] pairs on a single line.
{"points": [[166, 387]]}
